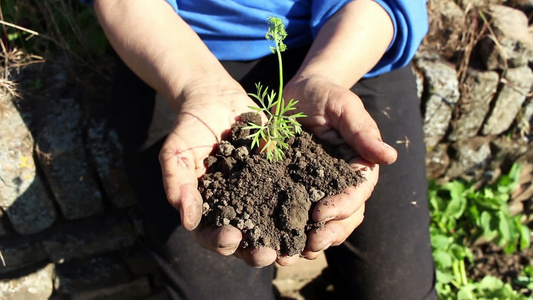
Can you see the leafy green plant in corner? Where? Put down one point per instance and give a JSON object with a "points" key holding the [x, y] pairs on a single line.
{"points": [[461, 215], [525, 279], [280, 125]]}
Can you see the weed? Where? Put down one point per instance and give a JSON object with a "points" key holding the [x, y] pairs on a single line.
{"points": [[525, 279], [489, 288], [460, 215], [279, 126]]}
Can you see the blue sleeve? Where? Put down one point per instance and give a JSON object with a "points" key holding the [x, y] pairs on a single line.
{"points": [[321, 11], [410, 21], [409, 18], [87, 1]]}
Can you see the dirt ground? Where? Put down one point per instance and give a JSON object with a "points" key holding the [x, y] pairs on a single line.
{"points": [[305, 280]]}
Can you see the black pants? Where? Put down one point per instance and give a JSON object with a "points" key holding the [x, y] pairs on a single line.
{"points": [[387, 257]]}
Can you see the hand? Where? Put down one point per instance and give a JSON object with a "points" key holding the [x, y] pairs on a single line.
{"points": [[337, 116], [203, 119]]}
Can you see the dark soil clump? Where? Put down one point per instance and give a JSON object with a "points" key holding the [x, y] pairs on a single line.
{"points": [[271, 202]]}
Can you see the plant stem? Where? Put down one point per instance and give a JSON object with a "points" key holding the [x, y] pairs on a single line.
{"points": [[462, 268], [280, 68], [457, 274]]}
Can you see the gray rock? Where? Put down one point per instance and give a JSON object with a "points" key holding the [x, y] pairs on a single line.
{"points": [[419, 82], [64, 160], [508, 102], [474, 103], [471, 156], [524, 120], [440, 95], [36, 285], [519, 3], [89, 237], [447, 26], [23, 195], [19, 254], [506, 151], [437, 161], [476, 3], [106, 151], [515, 44]]}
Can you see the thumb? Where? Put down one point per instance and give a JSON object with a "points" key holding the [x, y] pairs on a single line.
{"points": [[181, 185], [361, 132]]}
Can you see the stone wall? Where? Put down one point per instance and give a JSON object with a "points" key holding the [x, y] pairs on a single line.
{"points": [[69, 225], [475, 81]]}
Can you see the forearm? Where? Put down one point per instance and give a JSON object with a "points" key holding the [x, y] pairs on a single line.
{"points": [[349, 44], [161, 48]]}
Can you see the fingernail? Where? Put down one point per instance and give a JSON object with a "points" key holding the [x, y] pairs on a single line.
{"points": [[227, 249], [226, 246], [387, 145]]}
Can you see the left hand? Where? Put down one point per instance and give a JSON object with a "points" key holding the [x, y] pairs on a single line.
{"points": [[337, 116]]}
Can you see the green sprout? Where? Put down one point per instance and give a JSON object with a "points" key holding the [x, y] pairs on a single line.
{"points": [[280, 126]]}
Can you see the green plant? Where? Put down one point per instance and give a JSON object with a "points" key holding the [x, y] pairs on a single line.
{"points": [[489, 288], [280, 125], [461, 215], [525, 279]]}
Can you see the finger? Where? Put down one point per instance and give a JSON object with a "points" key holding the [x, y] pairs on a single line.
{"points": [[287, 260], [181, 184], [310, 255], [224, 240], [334, 232], [257, 257], [328, 134], [343, 205], [361, 132], [371, 147]]}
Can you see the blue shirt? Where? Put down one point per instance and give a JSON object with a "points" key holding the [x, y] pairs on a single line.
{"points": [[235, 29]]}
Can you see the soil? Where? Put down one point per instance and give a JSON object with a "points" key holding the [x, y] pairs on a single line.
{"points": [[490, 260], [271, 202]]}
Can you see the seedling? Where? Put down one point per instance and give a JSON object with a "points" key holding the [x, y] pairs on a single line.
{"points": [[280, 126]]}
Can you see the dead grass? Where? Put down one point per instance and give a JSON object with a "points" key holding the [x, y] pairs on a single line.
{"points": [[12, 59], [456, 28], [33, 32], [445, 28]]}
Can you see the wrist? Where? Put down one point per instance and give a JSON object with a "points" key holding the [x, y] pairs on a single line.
{"points": [[306, 76], [304, 83], [306, 88], [349, 44], [204, 84]]}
